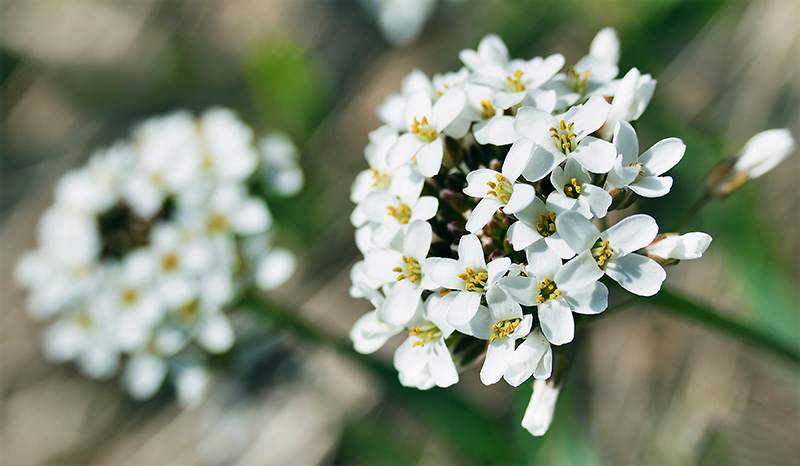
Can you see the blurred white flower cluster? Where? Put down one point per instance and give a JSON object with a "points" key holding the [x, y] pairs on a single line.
{"points": [[477, 217], [148, 244]]}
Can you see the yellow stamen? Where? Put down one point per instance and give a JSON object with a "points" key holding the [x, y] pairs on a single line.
{"points": [[564, 136], [516, 84], [572, 189], [547, 224], [412, 268], [601, 252], [640, 165], [476, 281], [503, 329], [382, 180], [424, 131], [488, 109], [401, 213], [502, 190], [547, 290]]}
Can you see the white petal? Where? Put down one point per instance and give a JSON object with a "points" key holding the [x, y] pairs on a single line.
{"points": [[417, 240], [683, 247], [556, 320], [498, 357], [578, 273], [631, 234], [539, 414], [521, 235], [592, 299], [590, 117], [470, 253], [143, 376], [482, 213], [498, 131], [448, 107], [521, 198], [429, 157], [543, 161], [442, 367], [526, 359], [404, 149], [652, 186], [215, 333], [664, 155], [597, 198], [626, 142], [638, 274], [275, 269], [523, 290], [595, 155], [534, 124], [579, 233], [369, 334], [463, 309], [517, 158], [444, 272], [477, 182], [505, 99], [401, 303]]}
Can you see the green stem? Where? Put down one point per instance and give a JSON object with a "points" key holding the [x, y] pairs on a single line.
{"points": [[691, 212], [671, 301]]}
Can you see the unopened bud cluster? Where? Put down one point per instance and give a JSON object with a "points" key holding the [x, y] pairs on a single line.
{"points": [[477, 217], [147, 245]]}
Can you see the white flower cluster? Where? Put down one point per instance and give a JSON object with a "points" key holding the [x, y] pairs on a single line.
{"points": [[147, 245], [477, 216]]}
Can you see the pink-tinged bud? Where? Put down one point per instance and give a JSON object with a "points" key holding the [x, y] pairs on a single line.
{"points": [[669, 248]]}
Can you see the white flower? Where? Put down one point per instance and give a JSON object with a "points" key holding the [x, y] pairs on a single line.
{"points": [[575, 191], [469, 277], [423, 144], [539, 414], [401, 21], [279, 164], [423, 360], [556, 139], [611, 251], [369, 334], [642, 173], [85, 334], [630, 100], [190, 385], [409, 272], [537, 223], [228, 152], [557, 291], [143, 375], [502, 324], [760, 154], [671, 246], [534, 356], [393, 214], [500, 190], [275, 268], [393, 110]]}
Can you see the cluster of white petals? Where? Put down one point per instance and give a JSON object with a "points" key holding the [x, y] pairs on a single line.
{"points": [[147, 246], [477, 217]]}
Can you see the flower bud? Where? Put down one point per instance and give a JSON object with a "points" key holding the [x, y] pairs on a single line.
{"points": [[760, 154], [669, 248]]}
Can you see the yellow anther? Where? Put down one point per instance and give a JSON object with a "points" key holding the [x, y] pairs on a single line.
{"points": [[547, 224], [425, 333], [502, 190], [503, 329], [412, 268], [382, 180], [547, 290], [488, 109], [516, 84], [601, 252], [572, 189], [444, 292], [424, 130], [476, 281], [564, 136], [640, 165], [188, 312], [577, 82], [401, 213]]}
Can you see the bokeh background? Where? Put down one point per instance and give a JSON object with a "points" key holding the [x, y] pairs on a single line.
{"points": [[645, 386]]}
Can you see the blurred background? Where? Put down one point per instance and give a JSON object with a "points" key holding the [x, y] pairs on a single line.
{"points": [[645, 387]]}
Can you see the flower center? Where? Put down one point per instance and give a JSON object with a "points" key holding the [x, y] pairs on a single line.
{"points": [[601, 252], [130, 297], [577, 82], [424, 131], [502, 190], [572, 189], [640, 165], [169, 262], [546, 226], [413, 270], [425, 333], [401, 213], [188, 312], [217, 224], [382, 180], [504, 328], [488, 109], [516, 84], [547, 290], [83, 320], [476, 281], [564, 137]]}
